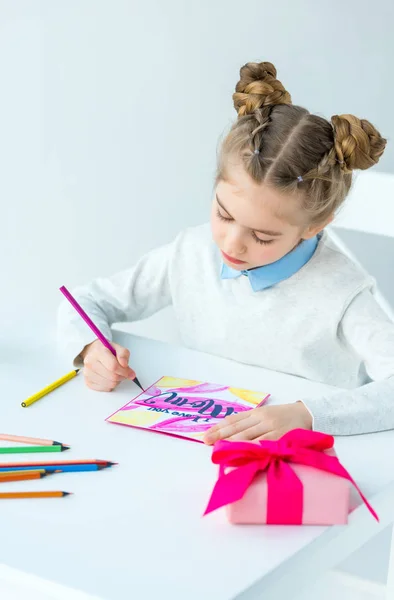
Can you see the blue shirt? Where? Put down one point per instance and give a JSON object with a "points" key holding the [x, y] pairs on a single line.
{"points": [[268, 275]]}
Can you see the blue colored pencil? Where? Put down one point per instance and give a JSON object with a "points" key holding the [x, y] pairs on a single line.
{"points": [[60, 468]]}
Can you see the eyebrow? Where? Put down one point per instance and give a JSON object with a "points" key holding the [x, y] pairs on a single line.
{"points": [[264, 231]]}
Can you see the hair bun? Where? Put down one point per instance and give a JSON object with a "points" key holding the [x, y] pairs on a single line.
{"points": [[357, 143], [258, 88]]}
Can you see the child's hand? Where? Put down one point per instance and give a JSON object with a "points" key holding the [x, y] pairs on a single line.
{"points": [[263, 423], [102, 370]]}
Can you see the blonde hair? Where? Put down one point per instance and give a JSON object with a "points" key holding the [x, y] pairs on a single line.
{"points": [[293, 150]]}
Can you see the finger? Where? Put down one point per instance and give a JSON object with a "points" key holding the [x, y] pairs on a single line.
{"points": [[102, 370], [231, 419], [92, 360], [252, 433], [271, 435], [94, 378], [96, 387], [110, 362], [116, 375], [100, 386], [122, 354], [211, 435], [99, 367], [225, 430], [97, 379]]}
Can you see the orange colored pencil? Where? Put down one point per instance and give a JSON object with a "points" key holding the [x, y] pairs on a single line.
{"points": [[15, 495], [22, 475]]}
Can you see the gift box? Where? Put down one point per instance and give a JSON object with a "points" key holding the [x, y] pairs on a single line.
{"points": [[296, 480]]}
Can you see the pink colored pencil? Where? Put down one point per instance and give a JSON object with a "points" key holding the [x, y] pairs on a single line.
{"points": [[92, 326], [5, 437]]}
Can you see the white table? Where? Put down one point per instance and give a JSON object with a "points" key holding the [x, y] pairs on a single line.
{"points": [[135, 531]]}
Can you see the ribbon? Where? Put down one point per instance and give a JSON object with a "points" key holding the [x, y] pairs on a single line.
{"points": [[285, 489]]}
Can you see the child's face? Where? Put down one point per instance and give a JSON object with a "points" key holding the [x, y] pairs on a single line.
{"points": [[253, 224]]}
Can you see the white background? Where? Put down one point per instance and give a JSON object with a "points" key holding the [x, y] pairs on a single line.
{"points": [[111, 111]]}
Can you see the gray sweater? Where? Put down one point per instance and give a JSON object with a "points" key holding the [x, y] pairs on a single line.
{"points": [[323, 323]]}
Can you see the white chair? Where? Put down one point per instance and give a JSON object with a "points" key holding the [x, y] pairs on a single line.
{"points": [[364, 229]]}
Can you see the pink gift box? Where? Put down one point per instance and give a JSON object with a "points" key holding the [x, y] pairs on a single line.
{"points": [[326, 498], [296, 480]]}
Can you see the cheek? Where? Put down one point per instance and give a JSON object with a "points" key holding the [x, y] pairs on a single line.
{"points": [[265, 254], [276, 254], [217, 227]]}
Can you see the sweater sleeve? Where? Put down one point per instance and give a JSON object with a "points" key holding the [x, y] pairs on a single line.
{"points": [[368, 332], [130, 295]]}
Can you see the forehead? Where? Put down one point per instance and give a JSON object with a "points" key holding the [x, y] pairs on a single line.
{"points": [[255, 204]]}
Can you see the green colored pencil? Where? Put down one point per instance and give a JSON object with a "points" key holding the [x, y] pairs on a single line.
{"points": [[29, 449]]}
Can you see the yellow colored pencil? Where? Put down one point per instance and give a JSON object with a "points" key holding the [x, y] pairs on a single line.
{"points": [[49, 388], [22, 475]]}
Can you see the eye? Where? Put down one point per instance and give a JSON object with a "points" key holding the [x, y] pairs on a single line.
{"points": [[221, 217], [259, 241]]}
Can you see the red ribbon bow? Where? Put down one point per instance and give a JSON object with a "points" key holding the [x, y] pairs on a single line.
{"points": [[285, 489]]}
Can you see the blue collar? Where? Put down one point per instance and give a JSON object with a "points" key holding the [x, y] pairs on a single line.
{"points": [[268, 275]]}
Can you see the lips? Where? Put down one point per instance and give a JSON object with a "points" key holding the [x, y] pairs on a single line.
{"points": [[235, 261]]}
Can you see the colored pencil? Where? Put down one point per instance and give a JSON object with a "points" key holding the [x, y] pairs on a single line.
{"points": [[32, 449], [49, 388], [92, 326], [14, 495], [5, 437], [59, 468], [23, 475], [57, 462], [12, 472]]}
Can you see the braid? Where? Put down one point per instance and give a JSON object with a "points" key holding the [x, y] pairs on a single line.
{"points": [[286, 147], [357, 143], [258, 88]]}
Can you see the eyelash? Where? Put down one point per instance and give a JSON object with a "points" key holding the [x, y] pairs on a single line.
{"points": [[259, 241], [256, 239], [221, 216]]}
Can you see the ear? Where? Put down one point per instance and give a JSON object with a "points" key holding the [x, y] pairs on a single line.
{"points": [[313, 230]]}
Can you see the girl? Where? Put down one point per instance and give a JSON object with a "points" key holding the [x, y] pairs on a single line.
{"points": [[264, 284]]}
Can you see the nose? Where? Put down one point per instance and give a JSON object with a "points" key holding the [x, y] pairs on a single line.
{"points": [[234, 243]]}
